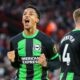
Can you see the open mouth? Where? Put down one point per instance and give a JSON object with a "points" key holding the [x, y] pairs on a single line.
{"points": [[26, 21]]}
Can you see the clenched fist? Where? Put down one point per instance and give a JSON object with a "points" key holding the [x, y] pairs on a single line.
{"points": [[11, 56], [42, 60]]}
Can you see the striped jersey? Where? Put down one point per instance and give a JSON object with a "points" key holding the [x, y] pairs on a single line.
{"points": [[27, 51], [70, 54]]}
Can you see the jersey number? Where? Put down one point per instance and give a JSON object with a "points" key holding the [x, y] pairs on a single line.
{"points": [[66, 56]]}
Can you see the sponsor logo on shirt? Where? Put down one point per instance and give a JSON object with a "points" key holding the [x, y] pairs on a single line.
{"points": [[29, 60]]}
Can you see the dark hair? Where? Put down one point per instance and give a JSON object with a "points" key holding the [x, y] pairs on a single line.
{"points": [[33, 7]]}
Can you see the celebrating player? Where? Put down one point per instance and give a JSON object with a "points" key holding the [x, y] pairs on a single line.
{"points": [[31, 51]]}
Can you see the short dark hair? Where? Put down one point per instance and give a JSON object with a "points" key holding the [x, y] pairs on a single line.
{"points": [[33, 7], [76, 15]]}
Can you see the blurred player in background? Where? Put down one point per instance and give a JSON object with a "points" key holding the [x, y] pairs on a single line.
{"points": [[31, 51], [70, 51]]}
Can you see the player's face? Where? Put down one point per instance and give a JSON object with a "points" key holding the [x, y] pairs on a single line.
{"points": [[30, 18]]}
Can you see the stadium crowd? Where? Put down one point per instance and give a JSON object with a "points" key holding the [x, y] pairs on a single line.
{"points": [[55, 20]]}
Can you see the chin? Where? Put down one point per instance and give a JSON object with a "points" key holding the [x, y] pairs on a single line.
{"points": [[26, 28]]}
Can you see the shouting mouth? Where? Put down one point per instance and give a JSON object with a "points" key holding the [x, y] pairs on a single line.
{"points": [[26, 21]]}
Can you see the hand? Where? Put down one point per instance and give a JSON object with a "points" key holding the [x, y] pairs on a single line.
{"points": [[11, 55], [42, 60]]}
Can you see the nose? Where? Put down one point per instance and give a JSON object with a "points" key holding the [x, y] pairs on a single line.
{"points": [[26, 16]]}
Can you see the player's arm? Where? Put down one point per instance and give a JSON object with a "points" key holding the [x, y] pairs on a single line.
{"points": [[52, 57], [54, 61], [12, 55], [55, 72], [11, 52]]}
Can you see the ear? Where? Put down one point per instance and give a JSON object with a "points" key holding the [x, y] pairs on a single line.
{"points": [[37, 20]]}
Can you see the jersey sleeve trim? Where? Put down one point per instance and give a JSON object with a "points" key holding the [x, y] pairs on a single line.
{"points": [[54, 57]]}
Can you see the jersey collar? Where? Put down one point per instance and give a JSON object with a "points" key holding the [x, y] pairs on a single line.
{"points": [[32, 36], [76, 30]]}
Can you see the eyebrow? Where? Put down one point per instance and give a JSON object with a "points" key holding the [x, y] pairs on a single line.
{"points": [[30, 12], [33, 11]]}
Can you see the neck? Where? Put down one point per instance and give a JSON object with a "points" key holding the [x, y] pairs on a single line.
{"points": [[30, 31], [77, 26]]}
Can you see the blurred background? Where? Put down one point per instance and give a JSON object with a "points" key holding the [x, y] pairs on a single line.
{"points": [[56, 20]]}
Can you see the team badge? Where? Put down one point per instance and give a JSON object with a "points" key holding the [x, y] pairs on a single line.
{"points": [[36, 47]]}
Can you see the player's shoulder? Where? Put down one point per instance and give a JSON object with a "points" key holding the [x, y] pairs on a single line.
{"points": [[69, 37], [45, 37], [16, 37], [74, 33], [68, 33]]}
